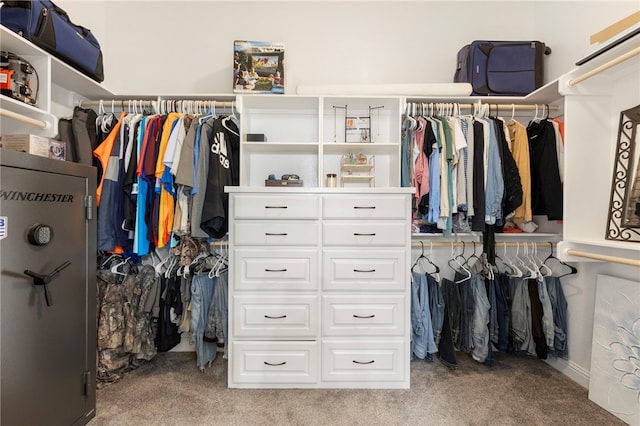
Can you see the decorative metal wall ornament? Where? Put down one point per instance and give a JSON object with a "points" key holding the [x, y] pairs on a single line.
{"points": [[624, 208]]}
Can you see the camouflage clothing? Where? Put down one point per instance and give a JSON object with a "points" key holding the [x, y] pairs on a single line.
{"points": [[125, 331]]}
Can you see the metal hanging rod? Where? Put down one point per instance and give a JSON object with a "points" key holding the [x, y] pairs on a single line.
{"points": [[479, 243], [179, 103], [23, 118], [493, 106]]}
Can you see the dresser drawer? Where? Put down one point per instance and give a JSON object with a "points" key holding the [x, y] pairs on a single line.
{"points": [[371, 315], [276, 206], [275, 232], [366, 207], [364, 360], [269, 316], [365, 233], [274, 362], [275, 269], [350, 269]]}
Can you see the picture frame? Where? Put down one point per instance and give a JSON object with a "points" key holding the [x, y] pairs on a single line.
{"points": [[624, 207], [258, 67]]}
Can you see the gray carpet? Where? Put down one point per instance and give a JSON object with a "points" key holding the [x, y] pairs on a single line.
{"points": [[517, 390]]}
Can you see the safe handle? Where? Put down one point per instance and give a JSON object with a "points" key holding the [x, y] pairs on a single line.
{"points": [[43, 280]]}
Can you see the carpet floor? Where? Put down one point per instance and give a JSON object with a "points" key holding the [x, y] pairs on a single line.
{"points": [[517, 390]]}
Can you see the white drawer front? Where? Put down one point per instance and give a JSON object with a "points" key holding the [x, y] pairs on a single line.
{"points": [[275, 316], [275, 233], [372, 315], [274, 362], [367, 361], [276, 206], [364, 270], [366, 207], [365, 233], [275, 269]]}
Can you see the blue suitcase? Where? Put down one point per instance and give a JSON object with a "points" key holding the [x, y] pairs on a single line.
{"points": [[49, 27], [502, 68]]}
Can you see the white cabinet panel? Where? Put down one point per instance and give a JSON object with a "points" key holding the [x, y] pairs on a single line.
{"points": [[276, 269], [363, 360], [367, 270], [365, 207], [368, 315], [275, 233], [262, 316], [274, 362], [365, 233], [248, 206]]}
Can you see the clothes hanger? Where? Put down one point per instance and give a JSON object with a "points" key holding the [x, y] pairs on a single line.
{"points": [[544, 269], [572, 269], [115, 270], [460, 268], [516, 272]]}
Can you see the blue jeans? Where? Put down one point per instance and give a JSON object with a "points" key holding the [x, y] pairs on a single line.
{"points": [[547, 313], [465, 294], [501, 339], [480, 319], [436, 305], [521, 317], [202, 288], [422, 331], [559, 306]]}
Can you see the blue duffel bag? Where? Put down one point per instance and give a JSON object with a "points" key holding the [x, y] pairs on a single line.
{"points": [[49, 27]]}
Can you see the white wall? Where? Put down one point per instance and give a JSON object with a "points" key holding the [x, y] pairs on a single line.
{"points": [[164, 47], [153, 47]]}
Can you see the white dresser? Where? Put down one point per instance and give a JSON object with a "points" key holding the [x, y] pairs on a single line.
{"points": [[319, 293]]}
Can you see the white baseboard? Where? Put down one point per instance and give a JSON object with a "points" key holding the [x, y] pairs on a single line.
{"points": [[572, 370]]}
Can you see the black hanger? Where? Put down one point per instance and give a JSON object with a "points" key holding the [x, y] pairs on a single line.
{"points": [[422, 256], [573, 269]]}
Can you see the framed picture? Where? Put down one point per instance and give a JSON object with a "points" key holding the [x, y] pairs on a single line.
{"points": [[624, 207], [258, 67]]}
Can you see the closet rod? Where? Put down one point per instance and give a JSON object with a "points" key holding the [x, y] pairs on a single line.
{"points": [[606, 66], [479, 243], [122, 103], [603, 257], [500, 107], [24, 118]]}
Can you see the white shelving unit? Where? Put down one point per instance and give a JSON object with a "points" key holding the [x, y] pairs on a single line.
{"points": [[305, 136], [52, 74], [592, 114]]}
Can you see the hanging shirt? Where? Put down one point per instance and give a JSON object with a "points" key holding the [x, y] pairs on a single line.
{"points": [[495, 182], [520, 152]]}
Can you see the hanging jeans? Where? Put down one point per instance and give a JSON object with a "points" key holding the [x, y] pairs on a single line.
{"points": [[465, 294], [521, 317], [559, 306], [202, 288], [452, 307], [536, 320], [480, 317], [436, 305], [501, 339], [547, 312], [422, 331]]}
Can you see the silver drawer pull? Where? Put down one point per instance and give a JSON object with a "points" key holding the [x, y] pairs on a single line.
{"points": [[275, 207], [368, 362], [361, 207], [357, 234], [360, 316], [275, 365], [275, 270], [272, 233], [364, 270], [280, 317]]}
